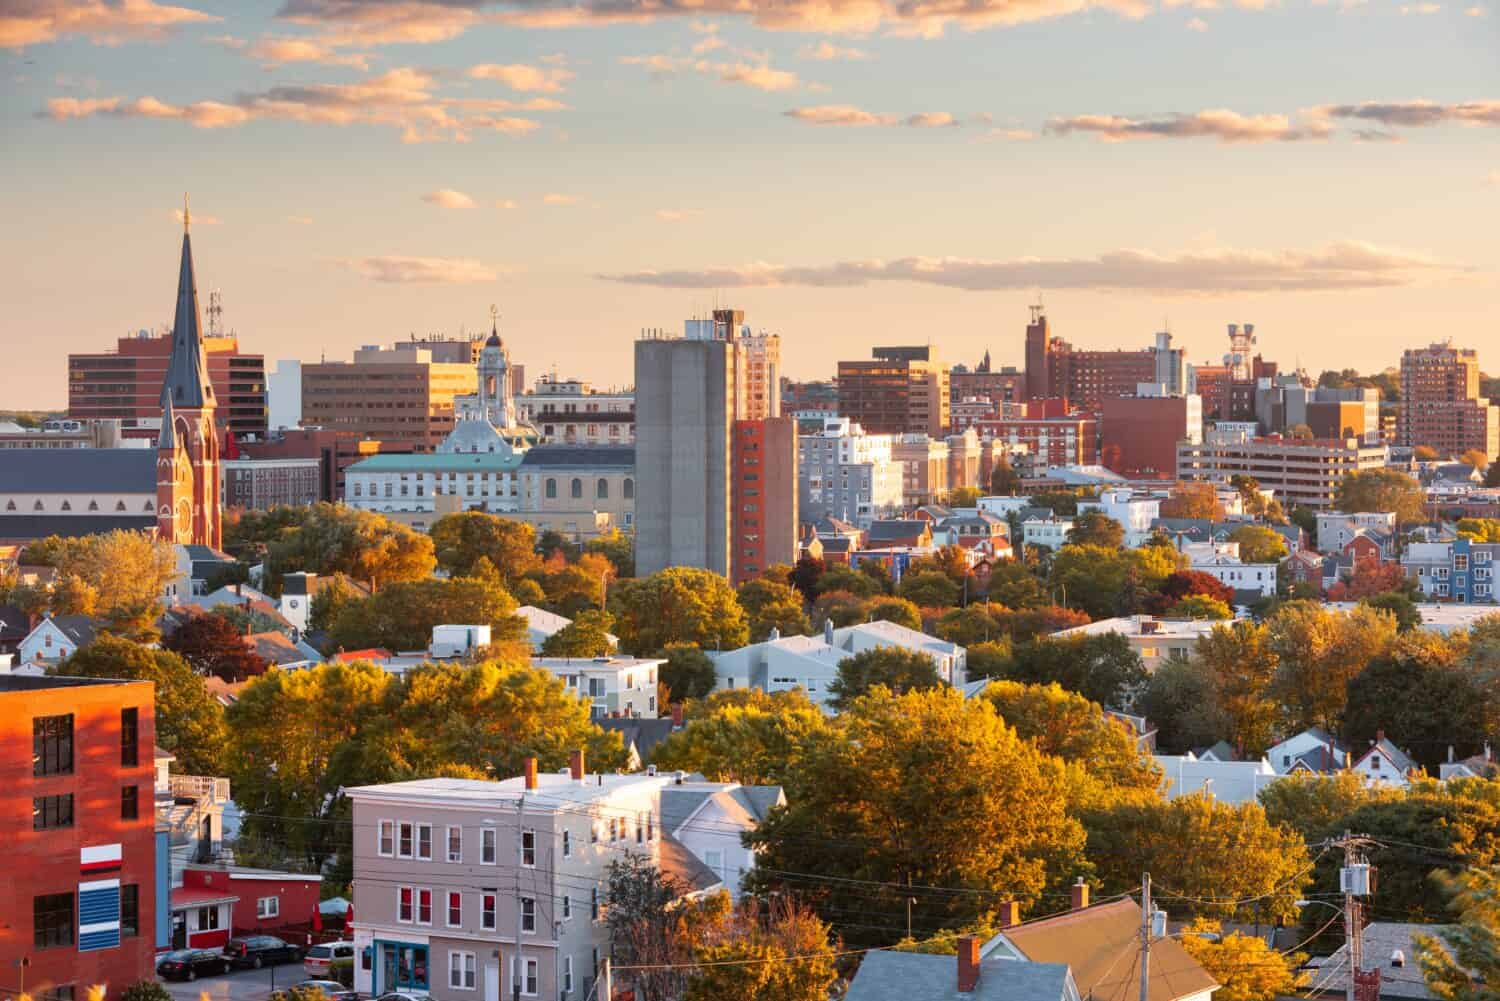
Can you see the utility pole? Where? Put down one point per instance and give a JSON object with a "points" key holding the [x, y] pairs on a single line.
{"points": [[1352, 937], [609, 991], [1146, 916], [518, 977]]}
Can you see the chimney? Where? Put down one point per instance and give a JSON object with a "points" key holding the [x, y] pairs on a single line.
{"points": [[575, 764], [968, 964], [677, 715], [775, 634], [530, 771], [1379, 736], [828, 631], [1451, 757], [1009, 914], [1080, 894]]}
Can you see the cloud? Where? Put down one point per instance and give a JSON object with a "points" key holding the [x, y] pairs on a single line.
{"points": [[760, 76], [1338, 266], [278, 51], [659, 67], [1376, 136], [848, 116], [1221, 124], [402, 98], [199, 219], [559, 199], [676, 215], [505, 203], [1197, 24], [518, 76], [707, 44], [30, 22], [1494, 179], [1421, 8], [1476, 11], [1415, 114], [1012, 135], [390, 22], [930, 120], [828, 52], [420, 270], [300, 220], [447, 198]]}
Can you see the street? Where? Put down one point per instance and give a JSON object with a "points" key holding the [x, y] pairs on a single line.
{"points": [[240, 985]]}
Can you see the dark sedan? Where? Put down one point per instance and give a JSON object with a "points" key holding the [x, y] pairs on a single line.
{"points": [[190, 964], [260, 950]]}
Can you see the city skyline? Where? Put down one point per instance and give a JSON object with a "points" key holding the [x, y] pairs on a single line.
{"points": [[847, 174]]}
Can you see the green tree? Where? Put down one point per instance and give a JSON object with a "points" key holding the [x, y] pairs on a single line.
{"points": [[1102, 581], [1315, 805], [586, 636], [189, 721], [1193, 500], [1480, 529], [1218, 859], [805, 574], [1422, 699], [688, 672], [1242, 669], [747, 736], [1382, 490], [1095, 528], [988, 660], [1004, 480], [1199, 606], [651, 925], [895, 668], [460, 539], [332, 538], [1101, 668], [618, 548], [928, 589], [1259, 544], [785, 955], [1399, 606], [1062, 502], [333, 596], [974, 623], [1463, 963], [1244, 965], [946, 795], [897, 610], [145, 990], [769, 605], [842, 577], [118, 576], [1320, 652], [963, 497], [1013, 585], [841, 608], [678, 605], [400, 616], [1179, 701], [1033, 623], [212, 645]]}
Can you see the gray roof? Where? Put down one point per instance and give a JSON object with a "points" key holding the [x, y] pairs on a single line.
{"points": [[679, 863], [641, 732], [1381, 939], [897, 528], [78, 628], [70, 526], [78, 471], [679, 802], [187, 382], [583, 456], [914, 976]]}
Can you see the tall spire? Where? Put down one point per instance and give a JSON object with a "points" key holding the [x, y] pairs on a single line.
{"points": [[187, 383], [168, 437]]}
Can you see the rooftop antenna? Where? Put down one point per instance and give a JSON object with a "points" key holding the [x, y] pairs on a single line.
{"points": [[215, 311]]}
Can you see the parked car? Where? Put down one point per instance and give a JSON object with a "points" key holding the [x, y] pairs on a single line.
{"points": [[319, 959], [332, 990], [260, 950], [402, 996], [190, 964]]}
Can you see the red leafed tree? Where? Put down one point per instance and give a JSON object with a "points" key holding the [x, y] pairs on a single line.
{"points": [[1186, 583], [1369, 578], [212, 645]]}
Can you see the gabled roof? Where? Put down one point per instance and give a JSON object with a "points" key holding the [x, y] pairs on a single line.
{"points": [[896, 528], [642, 733], [14, 623], [680, 864], [829, 525], [277, 648], [78, 628], [1097, 942], [885, 975], [1398, 758]]}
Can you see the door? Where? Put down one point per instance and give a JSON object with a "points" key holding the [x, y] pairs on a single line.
{"points": [[491, 982], [179, 930]]}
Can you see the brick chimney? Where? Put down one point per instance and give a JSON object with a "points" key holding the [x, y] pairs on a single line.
{"points": [[1009, 914], [677, 715], [530, 772], [968, 964], [575, 764], [1379, 736], [1080, 894]]}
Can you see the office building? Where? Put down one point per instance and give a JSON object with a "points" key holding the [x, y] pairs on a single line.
{"points": [[1006, 385], [80, 889], [1045, 438], [846, 474], [924, 468], [399, 396], [1297, 471], [298, 444], [259, 484], [1139, 434], [66, 433], [284, 395], [1440, 403], [1082, 378], [764, 456], [572, 412], [125, 384], [689, 392], [901, 390]]}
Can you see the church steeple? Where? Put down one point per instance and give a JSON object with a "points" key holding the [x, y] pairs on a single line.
{"points": [[187, 382]]}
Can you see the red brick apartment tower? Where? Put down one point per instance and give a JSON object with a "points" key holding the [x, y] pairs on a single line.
{"points": [[187, 453], [77, 805], [763, 454]]}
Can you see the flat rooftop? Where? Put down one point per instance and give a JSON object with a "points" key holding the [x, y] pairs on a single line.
{"points": [[43, 682], [553, 789]]}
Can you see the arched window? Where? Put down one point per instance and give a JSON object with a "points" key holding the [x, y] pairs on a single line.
{"points": [[66, 506], [551, 489], [10, 505], [629, 490], [577, 488], [93, 505], [119, 505], [603, 488], [37, 506], [147, 507]]}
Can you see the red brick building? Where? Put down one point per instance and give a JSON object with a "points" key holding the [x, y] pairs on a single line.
{"points": [[1050, 441], [78, 887], [763, 456], [1139, 434], [260, 901], [305, 443]]}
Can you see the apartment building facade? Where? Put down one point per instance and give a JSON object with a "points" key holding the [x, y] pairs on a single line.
{"points": [[844, 473], [1297, 471], [80, 884], [573, 412], [900, 390], [1461, 571], [1440, 403], [764, 476]]}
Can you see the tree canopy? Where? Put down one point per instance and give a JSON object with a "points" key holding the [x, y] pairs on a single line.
{"points": [[586, 636], [747, 736], [896, 668], [212, 645], [678, 605], [1102, 668], [1259, 544], [400, 616], [1382, 490], [332, 538], [460, 539], [1095, 528], [770, 605]]}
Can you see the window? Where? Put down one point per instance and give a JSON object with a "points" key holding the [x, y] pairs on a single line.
{"points": [[567, 907], [48, 812], [528, 914], [594, 903], [575, 489], [403, 904], [714, 860], [567, 984], [404, 848], [487, 846], [387, 845], [130, 803], [424, 841], [130, 911], [567, 844], [629, 491], [208, 917], [551, 489], [530, 985], [487, 911], [130, 737], [594, 833], [52, 744], [267, 907], [455, 909], [603, 488], [640, 831], [52, 919], [614, 829], [650, 827], [461, 970], [528, 848], [455, 844], [424, 907]]}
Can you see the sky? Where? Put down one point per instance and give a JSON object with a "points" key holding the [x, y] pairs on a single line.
{"points": [[848, 172]]}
